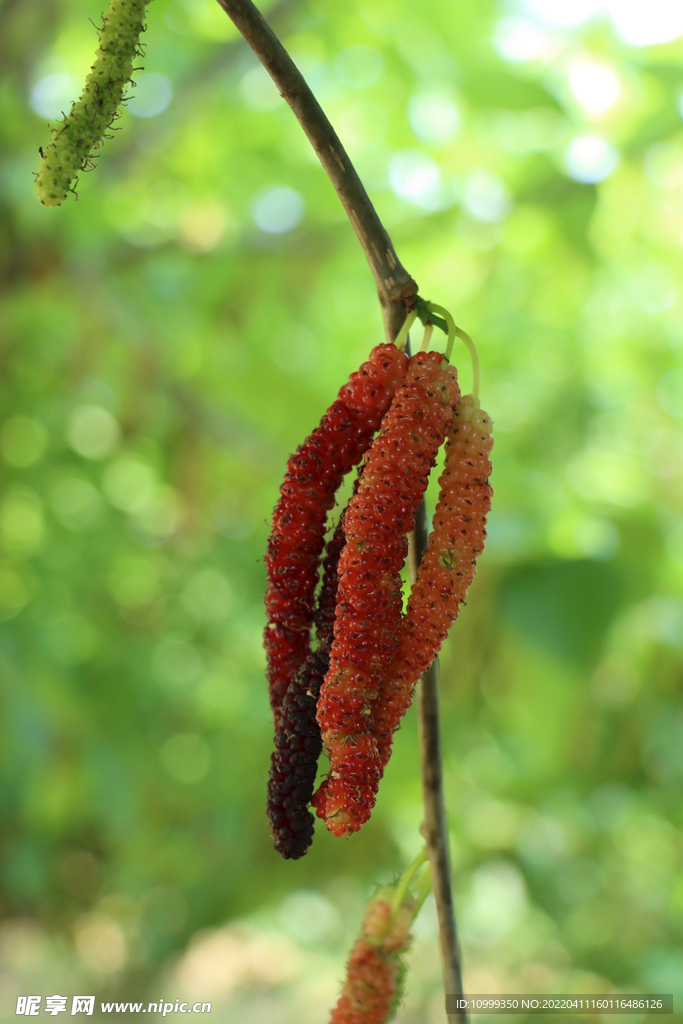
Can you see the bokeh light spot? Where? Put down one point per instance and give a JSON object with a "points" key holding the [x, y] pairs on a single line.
{"points": [[519, 41], [415, 177], [309, 917], [487, 197], [53, 95], [496, 903], [133, 582], [594, 86], [92, 432], [646, 24], [433, 117], [128, 484], [152, 95], [590, 158], [563, 13], [277, 209], [101, 944], [202, 225], [158, 518]]}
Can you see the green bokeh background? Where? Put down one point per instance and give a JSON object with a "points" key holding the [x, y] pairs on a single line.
{"points": [[164, 349]]}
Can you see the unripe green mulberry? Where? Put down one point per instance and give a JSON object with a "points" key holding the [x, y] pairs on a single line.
{"points": [[83, 129]]}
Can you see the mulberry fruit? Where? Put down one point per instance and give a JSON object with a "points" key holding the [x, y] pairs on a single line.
{"points": [[82, 130], [314, 473], [369, 604], [375, 971], [297, 736], [447, 568]]}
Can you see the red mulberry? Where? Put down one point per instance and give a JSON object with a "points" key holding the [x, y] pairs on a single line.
{"points": [[369, 605], [313, 476], [447, 568]]}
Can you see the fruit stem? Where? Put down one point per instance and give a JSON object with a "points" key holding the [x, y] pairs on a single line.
{"points": [[408, 875], [474, 356], [433, 308], [423, 891], [402, 336], [457, 332], [426, 338]]}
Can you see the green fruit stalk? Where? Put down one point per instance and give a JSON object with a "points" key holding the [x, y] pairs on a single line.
{"points": [[83, 129]]}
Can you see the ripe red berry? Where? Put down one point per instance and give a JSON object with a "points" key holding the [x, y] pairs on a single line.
{"points": [[447, 568], [313, 476], [369, 606]]}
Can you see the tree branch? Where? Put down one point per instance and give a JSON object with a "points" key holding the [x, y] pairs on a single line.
{"points": [[395, 287], [435, 824]]}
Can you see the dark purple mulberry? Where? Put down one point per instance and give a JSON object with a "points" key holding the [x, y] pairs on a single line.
{"points": [[298, 743]]}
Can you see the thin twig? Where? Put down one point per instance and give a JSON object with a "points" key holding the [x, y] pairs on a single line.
{"points": [[435, 824], [395, 287]]}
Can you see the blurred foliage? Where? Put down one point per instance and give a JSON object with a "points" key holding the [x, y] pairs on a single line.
{"points": [[169, 338]]}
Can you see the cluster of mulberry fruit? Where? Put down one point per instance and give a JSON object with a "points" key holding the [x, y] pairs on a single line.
{"points": [[314, 474], [369, 602], [350, 693]]}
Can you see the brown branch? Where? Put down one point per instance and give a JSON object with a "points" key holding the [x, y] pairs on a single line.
{"points": [[435, 824], [395, 287]]}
